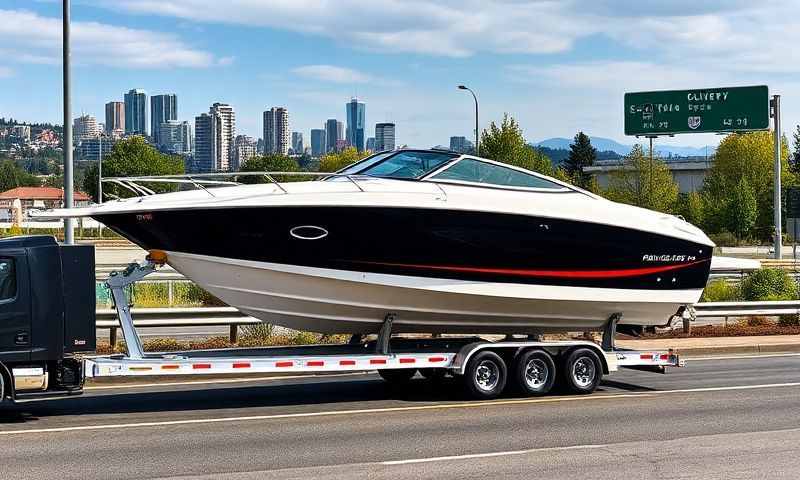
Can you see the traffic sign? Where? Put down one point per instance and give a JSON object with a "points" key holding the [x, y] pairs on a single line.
{"points": [[733, 109], [793, 202]]}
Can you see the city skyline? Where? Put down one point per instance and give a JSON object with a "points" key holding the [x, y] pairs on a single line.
{"points": [[557, 67]]}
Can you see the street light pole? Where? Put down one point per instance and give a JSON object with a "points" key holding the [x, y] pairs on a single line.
{"points": [[477, 141], [68, 225]]}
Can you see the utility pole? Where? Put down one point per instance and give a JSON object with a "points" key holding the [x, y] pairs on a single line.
{"points": [[69, 232], [776, 202]]}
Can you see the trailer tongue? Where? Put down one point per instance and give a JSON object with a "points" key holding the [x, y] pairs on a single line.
{"points": [[59, 366]]}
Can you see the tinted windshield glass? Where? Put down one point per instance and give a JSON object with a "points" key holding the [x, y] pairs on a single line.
{"points": [[409, 164], [469, 170], [365, 163]]}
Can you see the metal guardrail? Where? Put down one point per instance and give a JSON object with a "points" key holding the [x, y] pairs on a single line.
{"points": [[743, 309], [177, 317]]}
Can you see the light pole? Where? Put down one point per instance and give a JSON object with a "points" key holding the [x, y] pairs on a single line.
{"points": [[477, 142], [68, 226]]}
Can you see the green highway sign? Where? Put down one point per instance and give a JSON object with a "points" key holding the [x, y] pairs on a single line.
{"points": [[704, 110]]}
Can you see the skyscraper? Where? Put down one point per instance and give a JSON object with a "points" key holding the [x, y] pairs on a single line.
{"points": [[115, 117], [162, 108], [371, 144], [334, 131], [460, 144], [214, 139], [276, 131], [203, 143], [175, 137], [356, 112], [297, 143], [384, 137], [136, 112], [317, 142]]}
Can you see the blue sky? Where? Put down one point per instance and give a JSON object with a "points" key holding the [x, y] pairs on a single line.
{"points": [[557, 66]]}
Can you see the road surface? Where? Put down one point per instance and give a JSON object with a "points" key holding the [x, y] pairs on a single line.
{"points": [[714, 419]]}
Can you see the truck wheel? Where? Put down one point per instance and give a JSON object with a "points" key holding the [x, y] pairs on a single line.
{"points": [[534, 372], [396, 376], [582, 371], [485, 376]]}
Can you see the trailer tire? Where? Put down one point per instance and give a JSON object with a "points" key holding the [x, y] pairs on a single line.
{"points": [[485, 375], [397, 376], [534, 372], [582, 371]]}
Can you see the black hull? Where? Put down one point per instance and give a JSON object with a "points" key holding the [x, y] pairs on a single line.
{"points": [[453, 244]]}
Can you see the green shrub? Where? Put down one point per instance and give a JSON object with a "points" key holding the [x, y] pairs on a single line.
{"points": [[755, 321], [721, 291], [259, 334], [163, 345], [724, 239], [768, 284], [789, 321]]}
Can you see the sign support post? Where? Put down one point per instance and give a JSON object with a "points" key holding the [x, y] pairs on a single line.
{"points": [[776, 204]]}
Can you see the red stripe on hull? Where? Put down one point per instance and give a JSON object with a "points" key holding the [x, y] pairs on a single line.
{"points": [[618, 273]]}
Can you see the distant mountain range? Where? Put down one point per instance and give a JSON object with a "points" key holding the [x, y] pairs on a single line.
{"points": [[603, 144]]}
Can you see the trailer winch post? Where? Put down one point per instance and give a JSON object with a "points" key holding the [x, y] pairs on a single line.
{"points": [[117, 282]]}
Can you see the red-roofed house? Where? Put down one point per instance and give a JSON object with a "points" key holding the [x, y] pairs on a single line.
{"points": [[37, 198]]}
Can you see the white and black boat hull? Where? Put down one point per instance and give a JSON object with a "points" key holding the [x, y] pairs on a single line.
{"points": [[341, 301]]}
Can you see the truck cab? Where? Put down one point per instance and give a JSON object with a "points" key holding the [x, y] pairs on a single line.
{"points": [[47, 316]]}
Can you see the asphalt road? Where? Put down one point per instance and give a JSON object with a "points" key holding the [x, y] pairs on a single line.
{"points": [[714, 419]]}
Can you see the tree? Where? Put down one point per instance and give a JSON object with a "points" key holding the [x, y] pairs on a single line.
{"points": [[335, 161], [12, 176], [581, 154], [133, 157], [794, 159], [749, 156], [273, 162], [690, 207], [742, 210], [506, 144], [642, 182]]}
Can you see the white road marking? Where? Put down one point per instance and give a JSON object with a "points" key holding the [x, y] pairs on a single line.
{"points": [[650, 394], [317, 414], [734, 357], [219, 380], [494, 454]]}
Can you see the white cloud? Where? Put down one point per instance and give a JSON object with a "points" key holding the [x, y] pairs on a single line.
{"points": [[332, 73], [95, 43]]}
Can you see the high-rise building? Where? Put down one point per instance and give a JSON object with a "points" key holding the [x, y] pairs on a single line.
{"points": [[244, 149], [384, 137], [175, 137], [85, 126], [371, 144], [460, 144], [297, 143], [214, 139], [115, 117], [203, 143], [334, 131], [356, 112], [317, 142], [276, 131], [136, 112], [162, 108]]}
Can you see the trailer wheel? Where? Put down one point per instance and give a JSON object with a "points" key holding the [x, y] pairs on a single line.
{"points": [[397, 376], [485, 375], [534, 372], [582, 371]]}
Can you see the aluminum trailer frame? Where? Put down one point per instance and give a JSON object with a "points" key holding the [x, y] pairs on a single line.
{"points": [[450, 355]]}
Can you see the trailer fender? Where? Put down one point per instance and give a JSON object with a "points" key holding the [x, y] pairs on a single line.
{"points": [[6, 385]]}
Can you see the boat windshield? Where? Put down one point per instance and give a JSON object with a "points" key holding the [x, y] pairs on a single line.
{"points": [[365, 163], [407, 164], [469, 170]]}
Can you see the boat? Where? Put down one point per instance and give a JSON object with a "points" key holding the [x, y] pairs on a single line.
{"points": [[443, 242]]}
